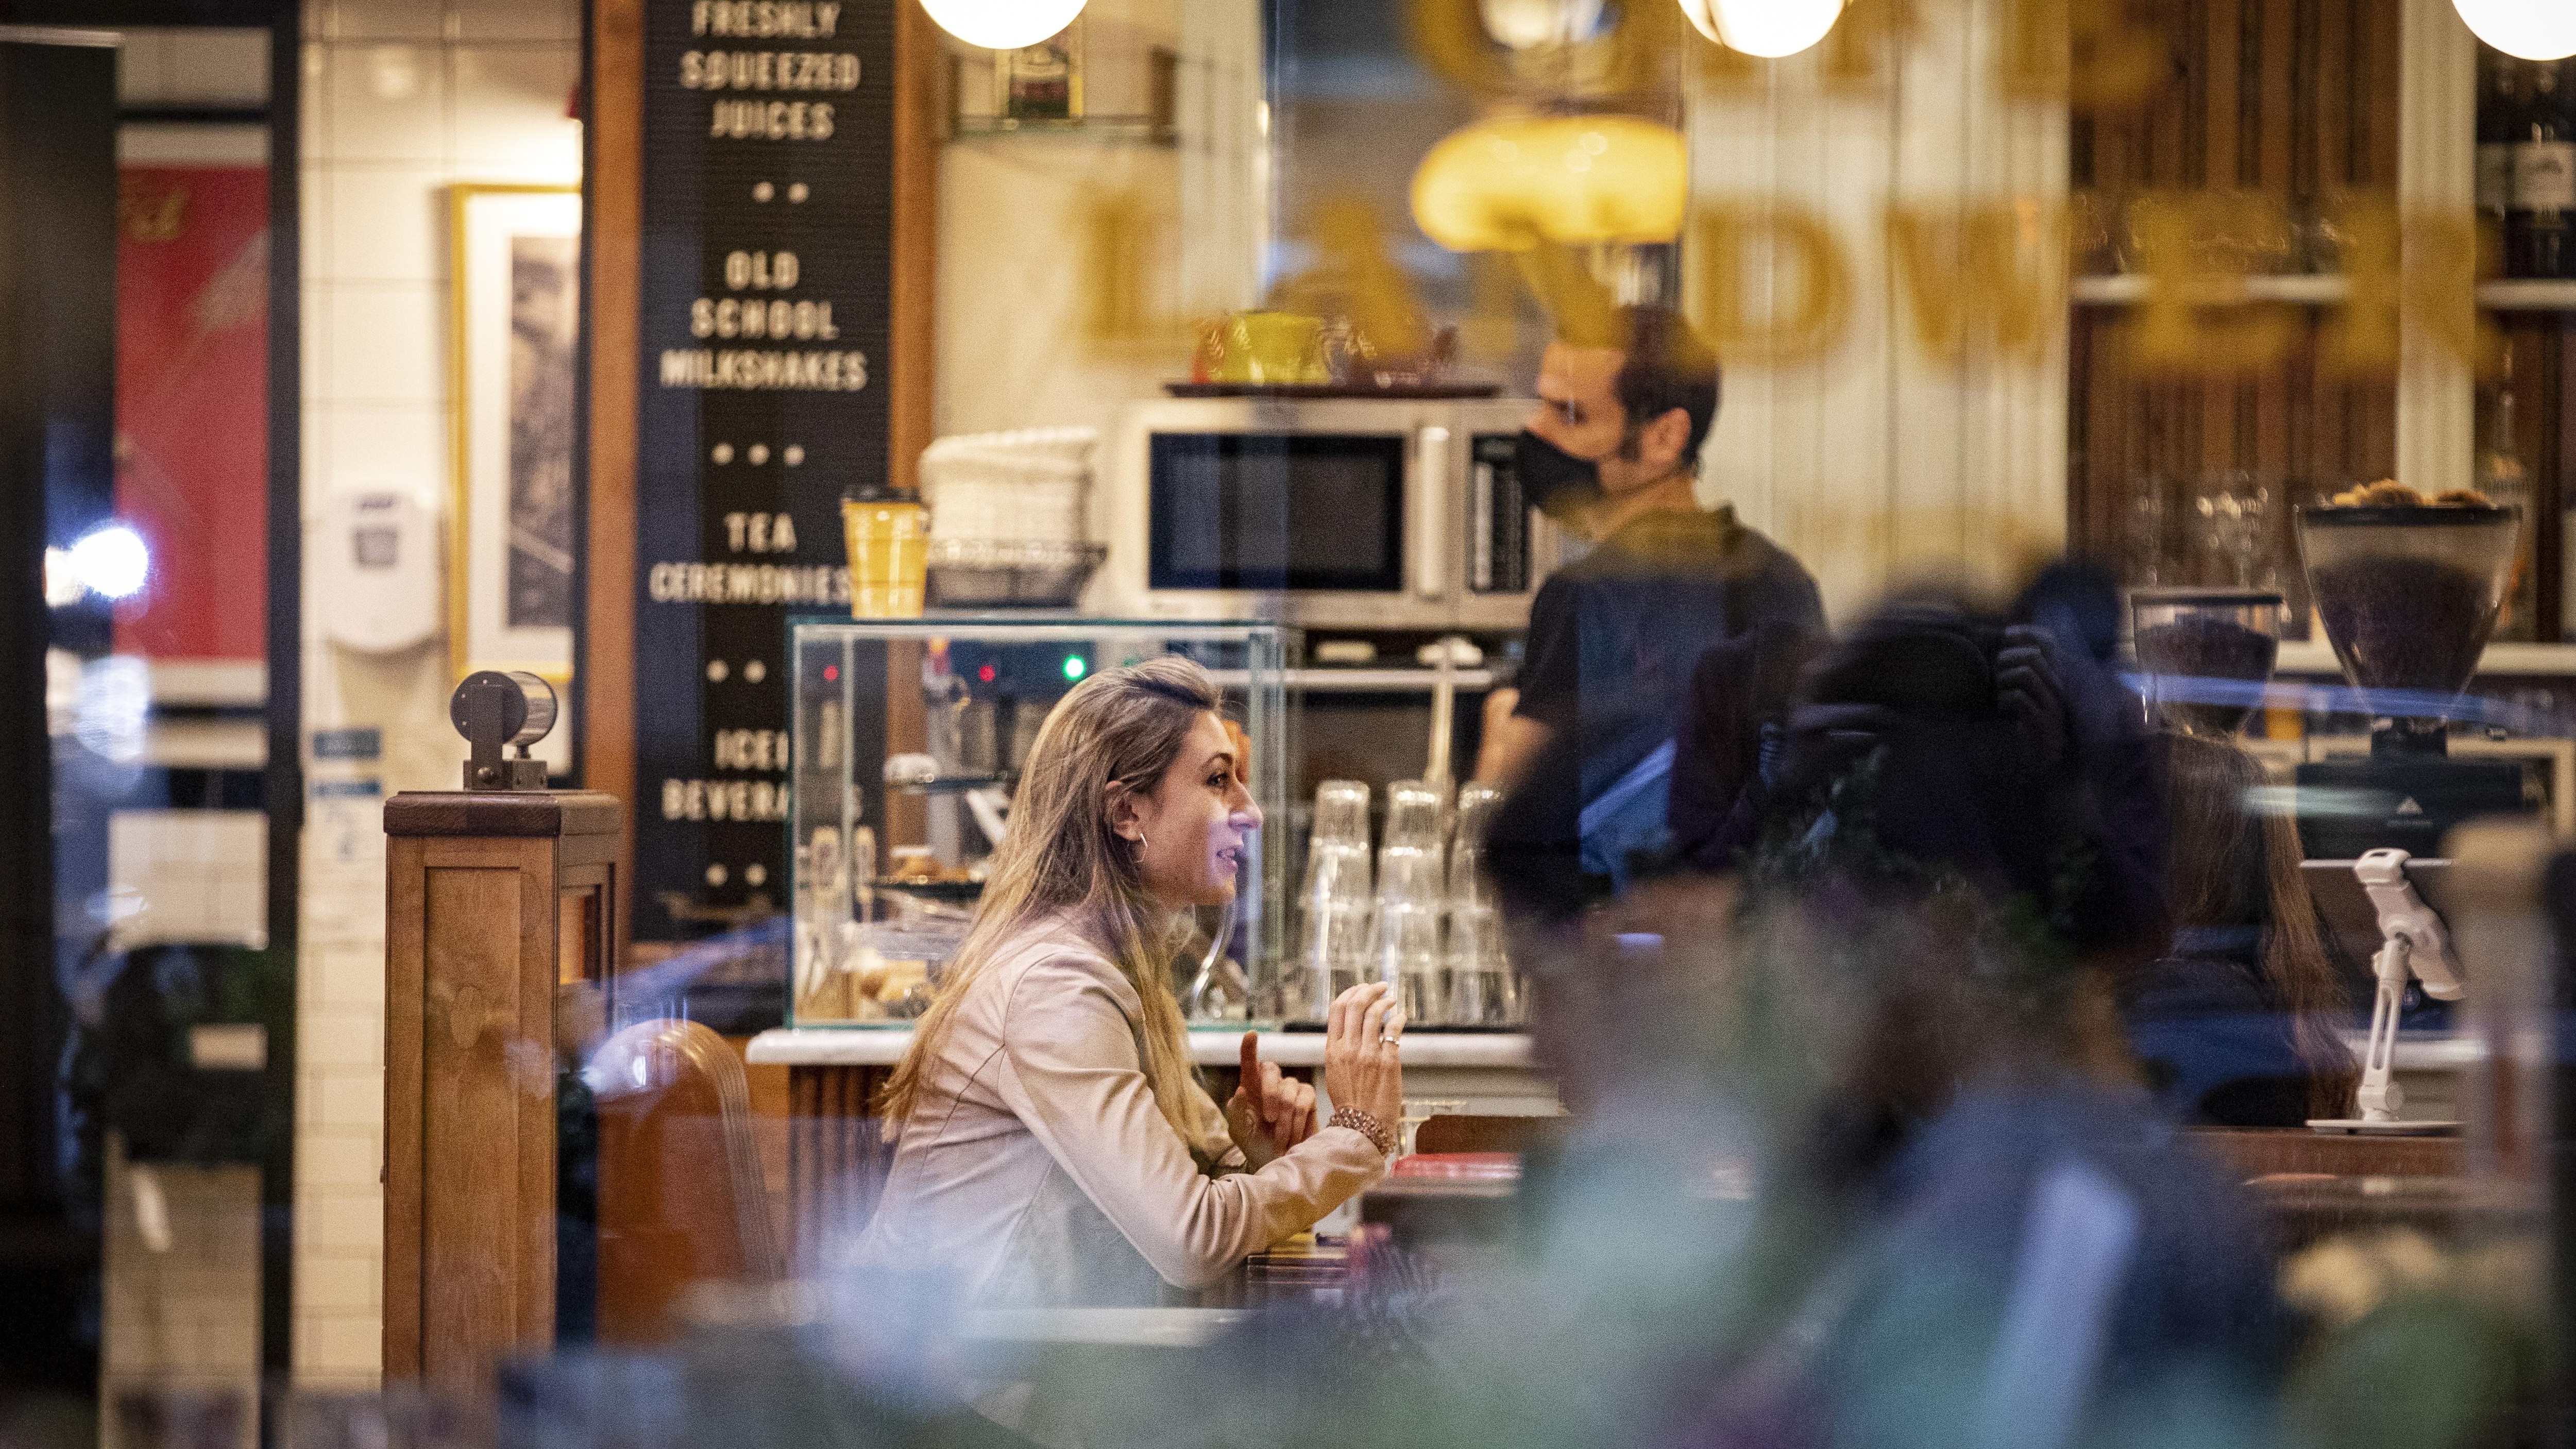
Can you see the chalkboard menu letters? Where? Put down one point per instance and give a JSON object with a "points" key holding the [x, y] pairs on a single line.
{"points": [[767, 235]]}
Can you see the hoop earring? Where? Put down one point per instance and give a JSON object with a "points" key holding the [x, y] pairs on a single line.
{"points": [[1140, 849]]}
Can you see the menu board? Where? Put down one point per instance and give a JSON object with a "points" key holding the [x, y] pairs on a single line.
{"points": [[767, 232]]}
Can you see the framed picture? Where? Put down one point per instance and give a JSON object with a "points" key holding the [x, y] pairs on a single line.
{"points": [[514, 537]]}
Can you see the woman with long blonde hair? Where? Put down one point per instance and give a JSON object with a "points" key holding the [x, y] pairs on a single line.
{"points": [[1053, 1143]]}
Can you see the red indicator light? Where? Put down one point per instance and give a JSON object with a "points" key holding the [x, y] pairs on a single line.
{"points": [[831, 672], [985, 674]]}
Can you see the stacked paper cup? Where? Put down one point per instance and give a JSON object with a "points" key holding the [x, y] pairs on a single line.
{"points": [[1031, 485]]}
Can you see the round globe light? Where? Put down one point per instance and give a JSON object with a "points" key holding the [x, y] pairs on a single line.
{"points": [[1002, 24], [112, 561], [1528, 24], [1770, 29], [2531, 29]]}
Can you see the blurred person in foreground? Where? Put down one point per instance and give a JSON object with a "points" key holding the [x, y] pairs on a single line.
{"points": [[1774, 712], [1584, 744], [1052, 1143], [1859, 1158], [1987, 1232]]}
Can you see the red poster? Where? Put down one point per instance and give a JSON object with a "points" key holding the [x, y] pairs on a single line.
{"points": [[192, 407]]}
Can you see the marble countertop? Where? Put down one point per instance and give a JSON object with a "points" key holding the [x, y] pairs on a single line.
{"points": [[883, 1046], [1124, 1327]]}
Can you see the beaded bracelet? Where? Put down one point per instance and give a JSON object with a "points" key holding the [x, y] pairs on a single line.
{"points": [[1367, 1126]]}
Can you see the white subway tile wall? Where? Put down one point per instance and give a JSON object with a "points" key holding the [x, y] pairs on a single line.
{"points": [[386, 440], [479, 21], [512, 116], [349, 20], [386, 101], [388, 342], [403, 99], [341, 1036], [383, 223]]}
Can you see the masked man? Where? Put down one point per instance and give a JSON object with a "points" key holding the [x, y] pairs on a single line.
{"points": [[1585, 743]]}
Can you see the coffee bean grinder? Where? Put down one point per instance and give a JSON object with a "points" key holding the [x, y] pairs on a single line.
{"points": [[2408, 595]]}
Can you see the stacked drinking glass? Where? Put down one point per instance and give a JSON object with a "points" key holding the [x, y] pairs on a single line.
{"points": [[1478, 986], [1428, 925], [1334, 901], [1411, 889]]}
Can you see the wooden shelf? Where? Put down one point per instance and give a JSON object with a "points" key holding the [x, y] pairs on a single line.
{"points": [[2127, 289], [2315, 658], [1146, 130], [2527, 296]]}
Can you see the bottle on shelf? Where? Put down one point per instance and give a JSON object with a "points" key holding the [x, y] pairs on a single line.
{"points": [[2503, 479], [2500, 85], [2544, 180], [1042, 82]]}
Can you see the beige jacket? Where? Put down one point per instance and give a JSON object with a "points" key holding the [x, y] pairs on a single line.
{"points": [[1037, 1166]]}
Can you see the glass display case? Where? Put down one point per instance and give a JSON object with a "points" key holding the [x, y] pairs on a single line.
{"points": [[908, 736]]}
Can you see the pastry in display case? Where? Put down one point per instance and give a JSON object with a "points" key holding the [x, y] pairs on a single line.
{"points": [[909, 736]]}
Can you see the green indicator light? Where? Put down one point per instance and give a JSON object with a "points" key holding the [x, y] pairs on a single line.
{"points": [[1073, 666]]}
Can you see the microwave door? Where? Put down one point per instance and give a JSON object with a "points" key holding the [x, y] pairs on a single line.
{"points": [[1324, 523]]}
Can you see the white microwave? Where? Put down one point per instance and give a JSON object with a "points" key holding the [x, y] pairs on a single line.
{"points": [[1336, 513]]}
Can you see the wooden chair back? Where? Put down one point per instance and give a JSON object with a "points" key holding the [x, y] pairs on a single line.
{"points": [[682, 1197]]}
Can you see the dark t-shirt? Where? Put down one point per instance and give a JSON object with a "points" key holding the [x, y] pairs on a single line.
{"points": [[1740, 695], [1613, 640], [2216, 1043]]}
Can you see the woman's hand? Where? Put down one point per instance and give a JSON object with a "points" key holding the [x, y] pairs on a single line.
{"points": [[1360, 1064], [1268, 1113]]}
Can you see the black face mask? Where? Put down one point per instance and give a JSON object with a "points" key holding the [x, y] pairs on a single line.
{"points": [[1558, 483]]}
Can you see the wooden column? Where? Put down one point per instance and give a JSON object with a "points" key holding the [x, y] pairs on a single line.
{"points": [[492, 902], [612, 233], [2437, 141]]}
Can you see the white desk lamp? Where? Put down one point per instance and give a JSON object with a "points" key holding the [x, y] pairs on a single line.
{"points": [[2413, 944]]}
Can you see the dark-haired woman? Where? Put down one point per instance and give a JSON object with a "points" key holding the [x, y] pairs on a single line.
{"points": [[2234, 1024]]}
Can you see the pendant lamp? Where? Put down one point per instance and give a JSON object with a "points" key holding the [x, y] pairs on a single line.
{"points": [[1509, 183], [1528, 24], [1770, 29], [1002, 24], [2531, 29]]}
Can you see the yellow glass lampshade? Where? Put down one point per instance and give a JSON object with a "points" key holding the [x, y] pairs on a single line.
{"points": [[1002, 24], [1509, 184], [2531, 29], [1766, 28]]}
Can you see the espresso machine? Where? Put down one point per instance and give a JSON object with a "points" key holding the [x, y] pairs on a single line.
{"points": [[2408, 595]]}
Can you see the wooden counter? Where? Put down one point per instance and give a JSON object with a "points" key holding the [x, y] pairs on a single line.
{"points": [[1214, 1046], [837, 1155]]}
